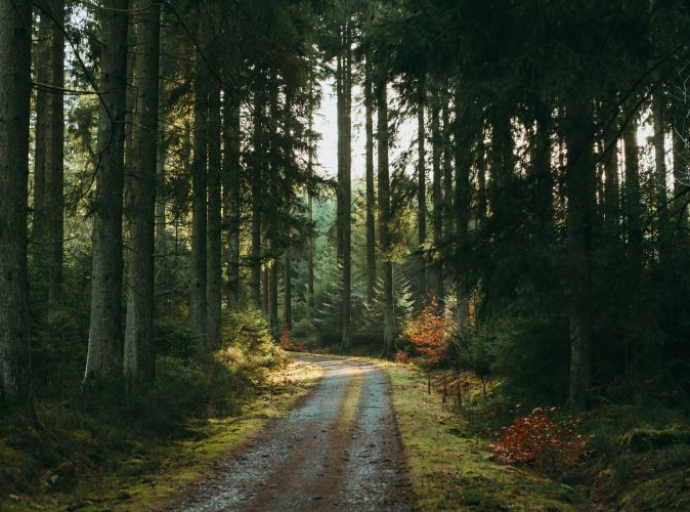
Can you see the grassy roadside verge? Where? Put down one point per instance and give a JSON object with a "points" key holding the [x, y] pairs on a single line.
{"points": [[450, 466], [150, 473]]}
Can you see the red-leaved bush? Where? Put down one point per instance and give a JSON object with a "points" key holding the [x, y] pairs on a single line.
{"points": [[429, 332], [553, 446], [287, 344]]}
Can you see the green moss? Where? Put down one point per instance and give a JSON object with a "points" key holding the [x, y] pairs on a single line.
{"points": [[450, 467], [643, 439], [152, 470]]}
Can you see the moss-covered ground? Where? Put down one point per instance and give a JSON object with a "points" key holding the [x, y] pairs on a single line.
{"points": [[119, 469], [450, 466]]}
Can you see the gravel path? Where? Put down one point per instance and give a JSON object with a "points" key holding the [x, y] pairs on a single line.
{"points": [[338, 450]]}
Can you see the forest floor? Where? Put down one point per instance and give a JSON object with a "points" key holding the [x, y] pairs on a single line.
{"points": [[135, 471], [335, 432], [338, 449]]}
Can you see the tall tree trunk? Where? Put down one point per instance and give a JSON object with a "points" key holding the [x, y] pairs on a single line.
{"points": [[611, 188], [139, 353], [231, 190], [257, 178], [447, 194], [421, 192], [42, 64], [437, 197], [347, 192], [55, 163], [104, 360], [15, 84], [275, 191], [681, 178], [385, 219], [660, 194], [580, 182], [310, 212], [289, 158], [633, 202], [199, 306], [463, 198], [543, 176], [214, 263], [161, 193], [370, 192], [481, 175]]}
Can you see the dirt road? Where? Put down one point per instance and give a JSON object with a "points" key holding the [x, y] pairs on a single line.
{"points": [[338, 450]]}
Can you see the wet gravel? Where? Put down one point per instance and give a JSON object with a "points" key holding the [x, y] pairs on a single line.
{"points": [[311, 460]]}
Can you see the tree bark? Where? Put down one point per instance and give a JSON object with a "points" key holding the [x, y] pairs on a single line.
{"points": [[310, 204], [272, 207], [104, 360], [139, 353], [580, 182], [42, 56], [437, 197], [385, 220], [421, 193], [257, 177], [199, 306], [370, 192], [15, 94], [633, 204], [214, 267], [660, 175], [463, 198], [481, 175], [611, 188], [347, 193], [231, 190]]}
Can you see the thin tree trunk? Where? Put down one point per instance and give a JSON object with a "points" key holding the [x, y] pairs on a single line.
{"points": [[385, 220], [274, 225], [580, 182], [481, 176], [542, 171], [231, 191], [347, 194], [43, 66], [447, 201], [139, 353], [611, 189], [463, 198], [55, 163], [104, 360], [660, 193], [370, 192], [681, 185], [257, 193], [199, 306], [633, 204], [421, 193], [15, 84], [437, 198], [161, 200], [214, 262], [310, 211], [287, 260]]}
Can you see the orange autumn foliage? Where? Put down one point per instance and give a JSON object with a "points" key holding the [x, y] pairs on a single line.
{"points": [[552, 446], [429, 332], [287, 344]]}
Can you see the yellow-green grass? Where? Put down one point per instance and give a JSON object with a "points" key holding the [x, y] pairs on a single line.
{"points": [[450, 467], [157, 476]]}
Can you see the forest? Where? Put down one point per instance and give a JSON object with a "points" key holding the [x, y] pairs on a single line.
{"points": [[209, 207]]}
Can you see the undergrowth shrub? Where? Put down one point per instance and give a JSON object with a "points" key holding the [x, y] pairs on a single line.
{"points": [[286, 342], [430, 332], [553, 446]]}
